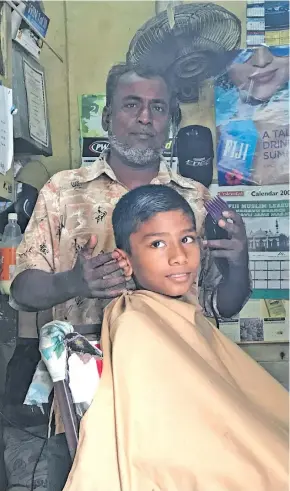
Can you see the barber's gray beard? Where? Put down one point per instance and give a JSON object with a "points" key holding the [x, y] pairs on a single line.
{"points": [[135, 156]]}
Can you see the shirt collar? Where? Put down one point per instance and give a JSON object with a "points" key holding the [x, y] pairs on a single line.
{"points": [[165, 175], [96, 169]]}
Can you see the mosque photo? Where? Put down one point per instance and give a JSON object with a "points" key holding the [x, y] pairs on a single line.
{"points": [[273, 237]]}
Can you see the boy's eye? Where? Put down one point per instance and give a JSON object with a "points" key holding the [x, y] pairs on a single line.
{"points": [[157, 244], [130, 105], [188, 240]]}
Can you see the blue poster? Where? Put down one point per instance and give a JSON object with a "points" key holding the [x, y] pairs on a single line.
{"points": [[252, 118]]}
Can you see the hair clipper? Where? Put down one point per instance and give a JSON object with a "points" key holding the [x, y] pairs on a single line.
{"points": [[215, 208]]}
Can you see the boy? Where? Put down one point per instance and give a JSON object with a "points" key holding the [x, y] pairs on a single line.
{"points": [[155, 233], [179, 406]]}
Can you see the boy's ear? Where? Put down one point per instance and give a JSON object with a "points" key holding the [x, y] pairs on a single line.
{"points": [[106, 117], [124, 262]]}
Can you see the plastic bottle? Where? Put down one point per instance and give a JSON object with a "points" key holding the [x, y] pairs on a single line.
{"points": [[11, 238]]}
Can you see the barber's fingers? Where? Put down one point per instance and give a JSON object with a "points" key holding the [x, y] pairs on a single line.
{"points": [[123, 272], [114, 274], [104, 287], [111, 287], [108, 282], [101, 259], [231, 228], [234, 216], [92, 273], [219, 244], [222, 253], [233, 224]]}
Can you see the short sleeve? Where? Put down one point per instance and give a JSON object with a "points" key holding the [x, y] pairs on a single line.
{"points": [[39, 248]]}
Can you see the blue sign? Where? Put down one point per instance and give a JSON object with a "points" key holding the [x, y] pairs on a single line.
{"points": [[36, 17]]}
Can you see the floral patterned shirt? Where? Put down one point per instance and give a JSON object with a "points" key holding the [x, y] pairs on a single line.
{"points": [[75, 204]]}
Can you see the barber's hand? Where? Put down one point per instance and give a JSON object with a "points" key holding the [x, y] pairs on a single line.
{"points": [[234, 249], [97, 277]]}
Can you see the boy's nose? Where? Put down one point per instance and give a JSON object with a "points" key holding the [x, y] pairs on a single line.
{"points": [[177, 256]]}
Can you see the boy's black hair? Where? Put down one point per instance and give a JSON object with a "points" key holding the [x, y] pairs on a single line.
{"points": [[141, 204]]}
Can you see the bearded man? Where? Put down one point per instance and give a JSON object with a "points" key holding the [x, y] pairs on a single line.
{"points": [[66, 261]]}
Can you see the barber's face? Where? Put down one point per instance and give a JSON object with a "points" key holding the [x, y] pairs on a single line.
{"points": [[262, 75], [140, 114]]}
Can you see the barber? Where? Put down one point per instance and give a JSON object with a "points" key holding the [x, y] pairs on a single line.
{"points": [[65, 261]]}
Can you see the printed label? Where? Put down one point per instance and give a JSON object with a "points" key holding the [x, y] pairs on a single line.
{"points": [[7, 263]]}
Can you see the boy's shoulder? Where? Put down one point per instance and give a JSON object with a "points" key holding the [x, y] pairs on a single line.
{"points": [[147, 307]]}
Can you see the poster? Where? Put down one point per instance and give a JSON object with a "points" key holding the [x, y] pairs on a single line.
{"points": [[265, 212], [90, 110], [36, 101], [252, 118], [94, 140], [259, 321], [6, 129]]}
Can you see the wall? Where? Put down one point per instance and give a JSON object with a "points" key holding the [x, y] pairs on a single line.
{"points": [[90, 37]]}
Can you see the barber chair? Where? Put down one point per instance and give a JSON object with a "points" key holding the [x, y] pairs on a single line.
{"points": [[58, 341]]}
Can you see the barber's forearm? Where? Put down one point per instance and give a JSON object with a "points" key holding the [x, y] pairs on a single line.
{"points": [[233, 291], [35, 290]]}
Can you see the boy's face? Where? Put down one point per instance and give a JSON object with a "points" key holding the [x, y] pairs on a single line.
{"points": [[165, 253]]}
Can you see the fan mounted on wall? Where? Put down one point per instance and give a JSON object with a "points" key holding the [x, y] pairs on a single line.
{"points": [[196, 42]]}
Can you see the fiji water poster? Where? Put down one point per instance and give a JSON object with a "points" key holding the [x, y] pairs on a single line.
{"points": [[252, 118]]}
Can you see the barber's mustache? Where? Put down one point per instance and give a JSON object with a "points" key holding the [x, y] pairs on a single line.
{"points": [[135, 131]]}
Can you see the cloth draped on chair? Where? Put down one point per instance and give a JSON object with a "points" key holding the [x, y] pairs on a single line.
{"points": [[179, 407]]}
